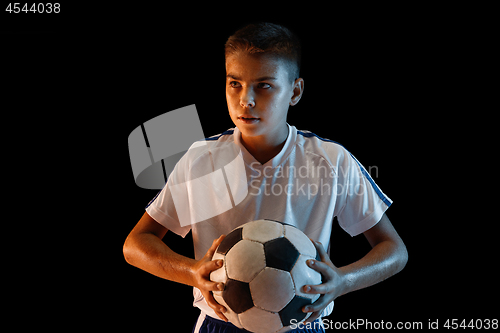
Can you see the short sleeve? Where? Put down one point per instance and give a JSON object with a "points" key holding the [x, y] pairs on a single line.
{"points": [[162, 207], [363, 202]]}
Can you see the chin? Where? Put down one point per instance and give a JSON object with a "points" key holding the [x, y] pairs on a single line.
{"points": [[248, 131]]}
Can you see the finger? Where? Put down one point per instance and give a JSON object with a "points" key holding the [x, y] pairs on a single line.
{"points": [[221, 316], [218, 308], [319, 305], [313, 317], [213, 286], [210, 266], [324, 269], [318, 289], [205, 281], [215, 244], [218, 241], [321, 251]]}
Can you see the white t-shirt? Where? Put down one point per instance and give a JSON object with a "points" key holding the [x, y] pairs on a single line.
{"points": [[218, 185]]}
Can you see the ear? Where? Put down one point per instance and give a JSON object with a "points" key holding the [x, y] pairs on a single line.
{"points": [[298, 89]]}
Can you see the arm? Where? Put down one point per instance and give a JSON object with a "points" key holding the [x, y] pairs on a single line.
{"points": [[387, 257], [145, 249]]}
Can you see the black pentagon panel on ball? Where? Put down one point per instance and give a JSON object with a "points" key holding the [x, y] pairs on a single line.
{"points": [[237, 295], [280, 254], [230, 240], [293, 310]]}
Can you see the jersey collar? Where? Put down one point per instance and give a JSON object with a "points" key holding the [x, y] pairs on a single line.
{"points": [[276, 160]]}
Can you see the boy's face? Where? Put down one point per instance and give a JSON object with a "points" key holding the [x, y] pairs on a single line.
{"points": [[259, 92]]}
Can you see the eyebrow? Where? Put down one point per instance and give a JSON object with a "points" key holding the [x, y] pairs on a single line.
{"points": [[264, 78]]}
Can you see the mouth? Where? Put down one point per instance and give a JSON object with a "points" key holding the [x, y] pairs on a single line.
{"points": [[246, 119]]}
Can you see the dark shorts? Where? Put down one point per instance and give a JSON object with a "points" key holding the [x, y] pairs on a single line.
{"points": [[212, 325]]}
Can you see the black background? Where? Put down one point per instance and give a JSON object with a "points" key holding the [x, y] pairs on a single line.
{"points": [[390, 84]]}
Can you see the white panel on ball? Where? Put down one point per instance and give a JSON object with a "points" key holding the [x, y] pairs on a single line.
{"points": [[262, 230], [270, 283], [302, 275], [245, 268], [300, 241], [258, 320]]}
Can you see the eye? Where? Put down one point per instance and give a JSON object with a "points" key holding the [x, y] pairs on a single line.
{"points": [[235, 84], [263, 85]]}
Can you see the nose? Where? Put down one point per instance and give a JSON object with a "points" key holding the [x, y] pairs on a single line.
{"points": [[247, 99]]}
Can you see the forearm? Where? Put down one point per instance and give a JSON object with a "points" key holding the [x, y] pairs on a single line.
{"points": [[387, 257], [145, 249], [149, 253], [384, 260]]}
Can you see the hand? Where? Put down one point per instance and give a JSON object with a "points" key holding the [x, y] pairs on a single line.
{"points": [[333, 284], [202, 270]]}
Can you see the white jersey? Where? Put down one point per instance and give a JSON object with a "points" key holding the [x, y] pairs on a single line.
{"points": [[218, 185]]}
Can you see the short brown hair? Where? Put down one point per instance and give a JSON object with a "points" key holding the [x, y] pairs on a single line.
{"points": [[267, 38]]}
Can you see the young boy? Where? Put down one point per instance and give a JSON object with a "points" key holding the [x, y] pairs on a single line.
{"points": [[288, 175]]}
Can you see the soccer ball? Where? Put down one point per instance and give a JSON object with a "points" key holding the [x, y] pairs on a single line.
{"points": [[264, 273]]}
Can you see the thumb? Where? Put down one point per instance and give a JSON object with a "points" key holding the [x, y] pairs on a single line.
{"points": [[213, 248], [322, 253]]}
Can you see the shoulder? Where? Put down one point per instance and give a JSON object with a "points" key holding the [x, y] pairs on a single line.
{"points": [[224, 136], [211, 151], [330, 150], [202, 147]]}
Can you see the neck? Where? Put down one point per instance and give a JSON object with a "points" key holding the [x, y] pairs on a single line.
{"points": [[265, 147]]}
